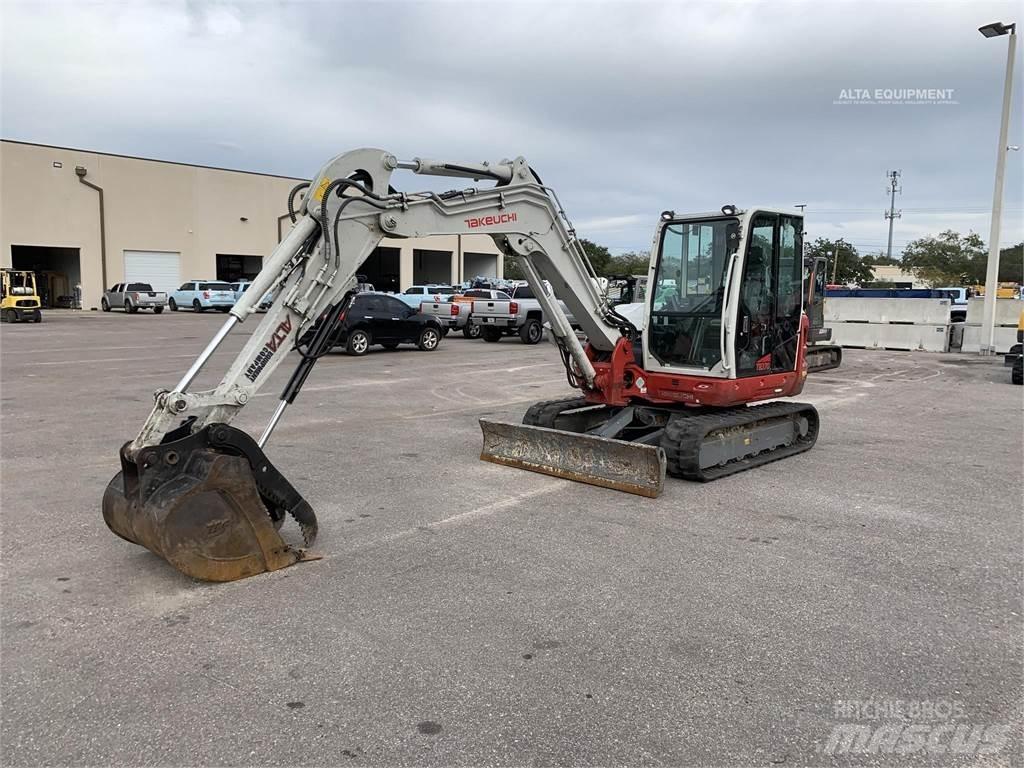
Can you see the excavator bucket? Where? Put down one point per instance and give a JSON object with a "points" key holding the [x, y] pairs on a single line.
{"points": [[625, 466], [210, 504]]}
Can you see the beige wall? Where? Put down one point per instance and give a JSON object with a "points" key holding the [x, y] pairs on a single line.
{"points": [[156, 206], [892, 273]]}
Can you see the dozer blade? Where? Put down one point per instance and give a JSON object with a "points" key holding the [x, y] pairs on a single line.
{"points": [[624, 466], [209, 504], [823, 357]]}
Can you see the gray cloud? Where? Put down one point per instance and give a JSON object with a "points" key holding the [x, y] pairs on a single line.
{"points": [[625, 108]]}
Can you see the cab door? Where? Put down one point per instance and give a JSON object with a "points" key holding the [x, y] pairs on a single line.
{"points": [[815, 271], [770, 296]]}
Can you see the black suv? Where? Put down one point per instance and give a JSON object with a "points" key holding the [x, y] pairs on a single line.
{"points": [[377, 318]]}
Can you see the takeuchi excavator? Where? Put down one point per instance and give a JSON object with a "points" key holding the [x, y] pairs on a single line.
{"points": [[670, 385]]}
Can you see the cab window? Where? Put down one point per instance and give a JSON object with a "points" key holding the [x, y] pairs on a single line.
{"points": [[689, 291]]}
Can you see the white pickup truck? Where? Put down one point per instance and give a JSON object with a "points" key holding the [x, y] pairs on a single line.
{"points": [[521, 314]]}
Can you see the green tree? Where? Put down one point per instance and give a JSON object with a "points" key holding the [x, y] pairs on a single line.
{"points": [[851, 268], [512, 269], [600, 257], [629, 263], [948, 258], [880, 260], [1011, 264]]}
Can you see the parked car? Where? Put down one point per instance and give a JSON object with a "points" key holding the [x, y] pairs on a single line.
{"points": [[239, 287], [459, 308], [452, 315], [380, 318], [1015, 357], [132, 297], [521, 314], [202, 295], [417, 294]]}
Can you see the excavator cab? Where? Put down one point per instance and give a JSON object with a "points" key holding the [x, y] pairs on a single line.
{"points": [[721, 312], [19, 301], [822, 354]]}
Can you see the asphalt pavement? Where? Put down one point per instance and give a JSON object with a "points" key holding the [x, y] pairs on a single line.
{"points": [[471, 614]]}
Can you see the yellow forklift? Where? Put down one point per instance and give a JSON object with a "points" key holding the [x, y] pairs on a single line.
{"points": [[19, 302]]}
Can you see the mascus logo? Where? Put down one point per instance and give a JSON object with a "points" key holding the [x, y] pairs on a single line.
{"points": [[273, 344], [489, 221]]}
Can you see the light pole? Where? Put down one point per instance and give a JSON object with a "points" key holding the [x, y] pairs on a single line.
{"points": [[988, 323], [835, 268]]}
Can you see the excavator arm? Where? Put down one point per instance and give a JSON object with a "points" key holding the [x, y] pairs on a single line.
{"points": [[203, 494], [314, 267]]}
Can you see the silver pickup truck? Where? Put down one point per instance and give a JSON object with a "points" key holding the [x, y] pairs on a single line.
{"points": [[132, 297], [454, 313], [521, 314], [451, 315]]}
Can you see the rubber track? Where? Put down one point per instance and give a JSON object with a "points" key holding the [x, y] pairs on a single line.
{"points": [[544, 413], [685, 435]]}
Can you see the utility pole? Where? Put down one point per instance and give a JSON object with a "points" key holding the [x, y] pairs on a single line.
{"points": [[892, 214], [835, 267]]}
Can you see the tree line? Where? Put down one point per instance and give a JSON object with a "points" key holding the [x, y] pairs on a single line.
{"points": [[604, 263], [946, 259]]}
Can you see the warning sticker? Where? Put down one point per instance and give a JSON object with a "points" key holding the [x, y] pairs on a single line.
{"points": [[321, 189]]}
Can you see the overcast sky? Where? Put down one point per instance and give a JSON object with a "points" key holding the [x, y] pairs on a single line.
{"points": [[626, 109]]}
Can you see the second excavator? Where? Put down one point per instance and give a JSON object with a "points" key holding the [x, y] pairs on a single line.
{"points": [[668, 385]]}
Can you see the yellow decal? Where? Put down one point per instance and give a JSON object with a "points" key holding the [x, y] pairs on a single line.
{"points": [[321, 188]]}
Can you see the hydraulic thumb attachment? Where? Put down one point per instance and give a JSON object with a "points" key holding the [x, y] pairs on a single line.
{"points": [[210, 502]]}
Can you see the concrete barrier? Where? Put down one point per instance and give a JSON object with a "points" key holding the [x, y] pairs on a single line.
{"points": [[898, 336], [1007, 311], [885, 323], [1006, 337], [858, 310]]}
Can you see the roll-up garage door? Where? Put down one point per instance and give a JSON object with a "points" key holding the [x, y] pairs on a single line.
{"points": [[161, 269]]}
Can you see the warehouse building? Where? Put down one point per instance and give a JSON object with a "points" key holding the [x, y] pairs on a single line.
{"points": [[93, 219]]}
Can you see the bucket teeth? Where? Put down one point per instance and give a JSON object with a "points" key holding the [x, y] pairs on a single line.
{"points": [[625, 466]]}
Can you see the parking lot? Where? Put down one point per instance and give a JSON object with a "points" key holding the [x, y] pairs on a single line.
{"points": [[467, 613]]}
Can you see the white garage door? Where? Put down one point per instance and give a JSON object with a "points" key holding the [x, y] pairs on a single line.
{"points": [[161, 269]]}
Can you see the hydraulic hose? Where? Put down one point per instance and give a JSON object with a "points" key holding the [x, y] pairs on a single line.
{"points": [[338, 184], [291, 199]]}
